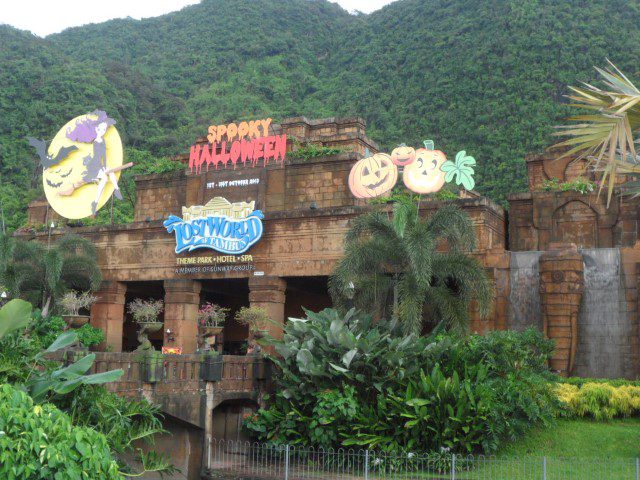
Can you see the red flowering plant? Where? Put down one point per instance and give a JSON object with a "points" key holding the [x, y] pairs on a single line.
{"points": [[212, 315]]}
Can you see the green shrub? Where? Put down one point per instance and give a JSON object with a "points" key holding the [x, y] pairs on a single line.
{"points": [[39, 442], [600, 401], [508, 351], [346, 381], [45, 330]]}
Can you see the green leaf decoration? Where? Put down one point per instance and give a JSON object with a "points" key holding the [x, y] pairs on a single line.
{"points": [[461, 170]]}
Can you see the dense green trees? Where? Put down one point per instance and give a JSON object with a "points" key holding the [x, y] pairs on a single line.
{"points": [[487, 77]]}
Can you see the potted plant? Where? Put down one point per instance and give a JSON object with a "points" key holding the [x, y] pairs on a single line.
{"points": [[72, 302], [145, 313], [211, 319], [256, 319], [211, 368]]}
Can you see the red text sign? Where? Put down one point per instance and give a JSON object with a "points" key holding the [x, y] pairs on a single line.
{"points": [[245, 143]]}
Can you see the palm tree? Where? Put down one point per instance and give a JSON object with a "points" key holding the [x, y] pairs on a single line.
{"points": [[606, 135], [393, 266], [41, 274]]}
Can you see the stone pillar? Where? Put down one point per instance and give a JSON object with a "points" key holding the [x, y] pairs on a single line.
{"points": [[181, 303], [561, 288], [107, 314], [269, 293]]}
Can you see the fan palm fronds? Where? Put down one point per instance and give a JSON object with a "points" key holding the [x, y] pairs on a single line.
{"points": [[391, 267], [40, 275], [606, 136]]}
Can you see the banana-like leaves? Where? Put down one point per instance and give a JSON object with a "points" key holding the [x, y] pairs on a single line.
{"points": [[14, 316]]}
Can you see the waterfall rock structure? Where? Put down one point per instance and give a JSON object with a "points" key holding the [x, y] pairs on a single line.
{"points": [[561, 288]]}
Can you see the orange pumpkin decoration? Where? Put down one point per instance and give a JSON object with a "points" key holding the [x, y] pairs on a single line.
{"points": [[424, 175], [403, 155], [373, 176]]}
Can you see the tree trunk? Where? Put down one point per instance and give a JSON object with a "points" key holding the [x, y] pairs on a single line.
{"points": [[395, 296]]}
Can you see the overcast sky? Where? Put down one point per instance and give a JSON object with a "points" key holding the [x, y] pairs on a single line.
{"points": [[43, 17]]}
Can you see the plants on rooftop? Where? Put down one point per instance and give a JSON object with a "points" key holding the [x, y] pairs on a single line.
{"points": [[580, 185], [392, 267], [308, 151]]}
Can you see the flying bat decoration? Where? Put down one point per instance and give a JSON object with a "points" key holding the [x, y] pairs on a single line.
{"points": [[47, 160]]}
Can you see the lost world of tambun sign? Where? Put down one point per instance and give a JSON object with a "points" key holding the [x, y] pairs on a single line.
{"points": [[233, 144], [220, 225], [82, 165], [424, 170]]}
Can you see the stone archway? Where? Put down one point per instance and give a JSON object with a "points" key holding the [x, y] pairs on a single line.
{"points": [[228, 418], [575, 222]]}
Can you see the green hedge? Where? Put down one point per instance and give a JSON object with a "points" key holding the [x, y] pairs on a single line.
{"points": [[39, 442]]}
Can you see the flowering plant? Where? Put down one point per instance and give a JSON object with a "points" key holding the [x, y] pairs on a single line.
{"points": [[72, 302], [145, 311], [211, 315], [255, 318]]}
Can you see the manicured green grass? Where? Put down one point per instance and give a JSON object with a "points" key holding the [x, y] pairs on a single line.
{"points": [[574, 449], [580, 438]]}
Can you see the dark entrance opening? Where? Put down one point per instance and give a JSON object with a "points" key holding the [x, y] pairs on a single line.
{"points": [[309, 292], [228, 418], [231, 293]]}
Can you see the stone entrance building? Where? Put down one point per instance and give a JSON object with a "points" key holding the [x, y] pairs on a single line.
{"points": [[307, 208]]}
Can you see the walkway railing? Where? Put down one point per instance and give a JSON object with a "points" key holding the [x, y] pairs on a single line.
{"points": [[240, 460], [230, 372]]}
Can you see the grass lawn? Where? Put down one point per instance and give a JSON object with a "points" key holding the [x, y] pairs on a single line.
{"points": [[575, 449], [580, 438]]}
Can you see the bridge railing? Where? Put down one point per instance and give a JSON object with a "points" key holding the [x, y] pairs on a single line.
{"points": [[229, 372]]}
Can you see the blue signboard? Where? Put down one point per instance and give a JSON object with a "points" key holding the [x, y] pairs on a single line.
{"points": [[230, 228]]}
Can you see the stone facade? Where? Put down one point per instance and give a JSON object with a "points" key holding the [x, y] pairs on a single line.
{"points": [[308, 209]]}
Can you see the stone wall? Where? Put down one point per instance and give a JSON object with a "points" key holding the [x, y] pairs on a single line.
{"points": [[537, 219]]}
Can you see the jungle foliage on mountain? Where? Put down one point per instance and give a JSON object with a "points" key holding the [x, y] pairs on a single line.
{"points": [[484, 76]]}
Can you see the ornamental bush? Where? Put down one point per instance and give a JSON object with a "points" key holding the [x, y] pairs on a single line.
{"points": [[599, 400], [350, 381], [39, 442]]}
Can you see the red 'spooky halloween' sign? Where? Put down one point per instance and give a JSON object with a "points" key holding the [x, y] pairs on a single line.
{"points": [[244, 142]]}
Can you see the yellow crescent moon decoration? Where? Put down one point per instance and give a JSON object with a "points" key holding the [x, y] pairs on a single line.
{"points": [[64, 175]]}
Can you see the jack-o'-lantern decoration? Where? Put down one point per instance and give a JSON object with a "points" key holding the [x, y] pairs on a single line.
{"points": [[373, 176], [425, 175], [403, 155]]}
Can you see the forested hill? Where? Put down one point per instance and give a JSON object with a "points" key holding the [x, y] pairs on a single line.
{"points": [[487, 76]]}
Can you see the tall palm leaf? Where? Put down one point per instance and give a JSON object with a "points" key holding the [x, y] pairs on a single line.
{"points": [[606, 137], [391, 267]]}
